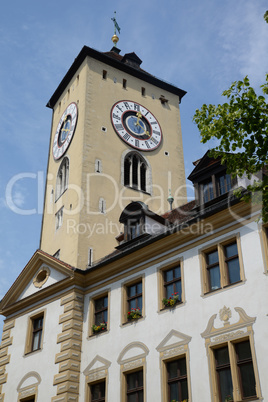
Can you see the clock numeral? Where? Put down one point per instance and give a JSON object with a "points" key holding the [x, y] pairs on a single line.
{"points": [[126, 137], [147, 144], [136, 107], [146, 113], [153, 122], [137, 143], [118, 107], [119, 127], [154, 141], [156, 132], [126, 105], [116, 117]]}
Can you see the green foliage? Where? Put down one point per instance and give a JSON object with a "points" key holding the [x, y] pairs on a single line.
{"points": [[241, 128], [266, 16]]}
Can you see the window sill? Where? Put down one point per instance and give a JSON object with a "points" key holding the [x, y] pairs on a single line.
{"points": [[133, 321], [234, 284], [32, 352], [94, 334], [175, 306]]}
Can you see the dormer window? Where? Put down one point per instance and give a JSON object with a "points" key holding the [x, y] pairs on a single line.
{"points": [[134, 228], [140, 223], [210, 179], [215, 186]]}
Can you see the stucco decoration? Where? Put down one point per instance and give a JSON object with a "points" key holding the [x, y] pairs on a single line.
{"points": [[41, 277], [174, 340], [225, 315], [235, 329], [134, 351], [98, 363], [28, 386]]}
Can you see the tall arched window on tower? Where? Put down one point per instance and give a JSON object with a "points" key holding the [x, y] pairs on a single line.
{"points": [[62, 178], [136, 172]]}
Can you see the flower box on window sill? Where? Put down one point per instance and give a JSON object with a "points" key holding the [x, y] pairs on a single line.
{"points": [[172, 300], [134, 314], [99, 328]]}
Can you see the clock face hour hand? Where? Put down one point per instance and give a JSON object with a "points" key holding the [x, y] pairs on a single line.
{"points": [[139, 115]]}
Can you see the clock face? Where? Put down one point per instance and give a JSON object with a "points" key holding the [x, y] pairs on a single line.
{"points": [[65, 131], [136, 125]]}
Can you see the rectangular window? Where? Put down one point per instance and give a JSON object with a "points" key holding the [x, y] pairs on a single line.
{"points": [[124, 83], [172, 284], [135, 386], [100, 314], [35, 333], [104, 74], [222, 266], [177, 380], [224, 183], [132, 294], [97, 392], [59, 218], [143, 92], [233, 364]]}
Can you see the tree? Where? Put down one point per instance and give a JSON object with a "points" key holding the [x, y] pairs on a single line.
{"points": [[241, 128], [266, 16]]}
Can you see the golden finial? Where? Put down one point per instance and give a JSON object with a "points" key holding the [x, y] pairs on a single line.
{"points": [[115, 38]]}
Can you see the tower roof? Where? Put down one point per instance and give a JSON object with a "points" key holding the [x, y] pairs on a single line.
{"points": [[130, 63]]}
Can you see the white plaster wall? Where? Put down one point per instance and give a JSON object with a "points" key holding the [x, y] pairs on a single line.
{"points": [[41, 362], [190, 319]]}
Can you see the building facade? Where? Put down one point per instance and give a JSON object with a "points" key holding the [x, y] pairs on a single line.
{"points": [[175, 308]]}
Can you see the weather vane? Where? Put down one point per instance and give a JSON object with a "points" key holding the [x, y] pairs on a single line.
{"points": [[115, 38]]}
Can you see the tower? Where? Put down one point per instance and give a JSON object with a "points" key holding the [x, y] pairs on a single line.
{"points": [[115, 138]]}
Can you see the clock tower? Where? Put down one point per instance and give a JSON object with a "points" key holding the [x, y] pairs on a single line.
{"points": [[115, 138]]}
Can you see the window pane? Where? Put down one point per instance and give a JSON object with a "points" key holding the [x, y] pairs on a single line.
{"points": [[184, 390], [131, 381], [177, 272], [174, 392], [172, 369], [132, 290], [169, 290], [132, 304], [243, 350], [248, 379], [222, 356], [181, 366], [36, 337], [214, 278], [139, 287], [139, 303], [231, 250], [169, 275], [213, 257], [234, 270], [225, 381], [178, 288]]}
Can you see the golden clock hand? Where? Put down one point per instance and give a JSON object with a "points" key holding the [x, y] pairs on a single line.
{"points": [[145, 132]]}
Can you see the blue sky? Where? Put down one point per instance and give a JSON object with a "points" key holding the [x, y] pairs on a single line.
{"points": [[199, 46]]}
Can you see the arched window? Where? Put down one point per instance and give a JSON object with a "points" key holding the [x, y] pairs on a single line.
{"points": [[62, 178], [136, 172]]}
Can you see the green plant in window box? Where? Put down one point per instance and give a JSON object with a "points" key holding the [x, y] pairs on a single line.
{"points": [[228, 398], [172, 300], [99, 328], [184, 400], [134, 314]]}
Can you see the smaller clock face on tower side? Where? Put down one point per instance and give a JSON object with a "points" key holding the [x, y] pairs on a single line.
{"points": [[136, 125], [65, 131]]}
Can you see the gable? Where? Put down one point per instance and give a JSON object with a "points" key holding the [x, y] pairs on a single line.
{"points": [[42, 272]]}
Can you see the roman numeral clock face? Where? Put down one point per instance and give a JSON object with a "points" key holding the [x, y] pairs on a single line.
{"points": [[65, 131], [136, 125]]}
